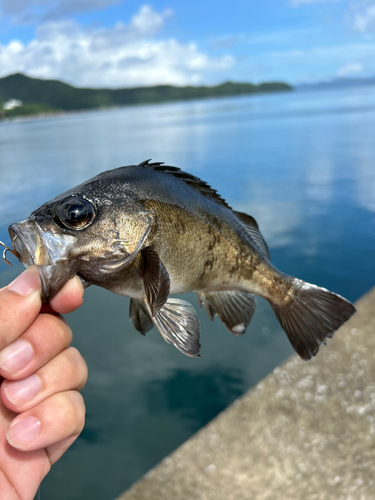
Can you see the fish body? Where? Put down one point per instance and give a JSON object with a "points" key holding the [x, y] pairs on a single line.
{"points": [[147, 231]]}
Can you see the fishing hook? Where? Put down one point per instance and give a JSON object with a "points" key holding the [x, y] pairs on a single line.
{"points": [[7, 249]]}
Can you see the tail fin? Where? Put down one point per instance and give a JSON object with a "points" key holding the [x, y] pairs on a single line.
{"points": [[311, 315]]}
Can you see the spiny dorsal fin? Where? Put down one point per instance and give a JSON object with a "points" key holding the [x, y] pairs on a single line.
{"points": [[191, 180], [253, 229]]}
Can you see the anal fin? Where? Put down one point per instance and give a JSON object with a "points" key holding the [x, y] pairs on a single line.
{"points": [[178, 324], [234, 308], [207, 305]]}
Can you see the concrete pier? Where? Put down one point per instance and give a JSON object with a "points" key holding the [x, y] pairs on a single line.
{"points": [[306, 432]]}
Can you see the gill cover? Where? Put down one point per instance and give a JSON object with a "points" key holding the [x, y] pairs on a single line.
{"points": [[129, 227]]}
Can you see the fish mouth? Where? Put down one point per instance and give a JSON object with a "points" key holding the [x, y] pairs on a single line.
{"points": [[26, 242], [35, 246]]}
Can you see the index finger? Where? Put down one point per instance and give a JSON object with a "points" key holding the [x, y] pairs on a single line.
{"points": [[20, 304]]}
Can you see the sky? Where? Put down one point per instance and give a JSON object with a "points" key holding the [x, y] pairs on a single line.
{"points": [[127, 43]]}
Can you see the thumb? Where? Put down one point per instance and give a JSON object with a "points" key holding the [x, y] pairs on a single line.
{"points": [[20, 304]]}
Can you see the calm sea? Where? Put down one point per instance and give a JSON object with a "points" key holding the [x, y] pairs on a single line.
{"points": [[303, 164]]}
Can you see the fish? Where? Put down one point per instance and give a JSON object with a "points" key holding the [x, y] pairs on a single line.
{"points": [[149, 231]]}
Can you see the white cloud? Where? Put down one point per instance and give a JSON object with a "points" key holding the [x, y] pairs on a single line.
{"points": [[125, 55], [361, 16], [350, 69]]}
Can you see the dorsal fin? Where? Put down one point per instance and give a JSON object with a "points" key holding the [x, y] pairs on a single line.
{"points": [[191, 180], [253, 229]]}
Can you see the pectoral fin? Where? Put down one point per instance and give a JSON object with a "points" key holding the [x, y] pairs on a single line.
{"points": [[140, 316], [156, 280], [178, 324], [234, 308]]}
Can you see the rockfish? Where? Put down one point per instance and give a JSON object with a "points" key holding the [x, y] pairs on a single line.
{"points": [[150, 230]]}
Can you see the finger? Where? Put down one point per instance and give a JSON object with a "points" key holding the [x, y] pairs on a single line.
{"points": [[42, 341], [65, 372], [55, 451], [21, 300], [52, 421], [69, 298]]}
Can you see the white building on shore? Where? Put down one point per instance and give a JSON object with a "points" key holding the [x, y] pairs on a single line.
{"points": [[12, 103]]}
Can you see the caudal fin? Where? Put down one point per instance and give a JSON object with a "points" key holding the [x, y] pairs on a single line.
{"points": [[311, 315]]}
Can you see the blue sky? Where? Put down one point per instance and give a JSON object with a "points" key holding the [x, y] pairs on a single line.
{"points": [[124, 43]]}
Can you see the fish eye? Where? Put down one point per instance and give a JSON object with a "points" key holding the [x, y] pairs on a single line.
{"points": [[75, 213]]}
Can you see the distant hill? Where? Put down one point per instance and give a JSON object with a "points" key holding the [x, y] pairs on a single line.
{"points": [[54, 95], [338, 83]]}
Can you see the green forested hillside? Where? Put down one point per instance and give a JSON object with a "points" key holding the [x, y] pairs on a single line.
{"points": [[55, 95]]}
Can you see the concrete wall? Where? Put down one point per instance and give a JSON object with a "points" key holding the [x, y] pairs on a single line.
{"points": [[306, 432]]}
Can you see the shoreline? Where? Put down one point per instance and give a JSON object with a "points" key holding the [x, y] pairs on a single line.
{"points": [[58, 113]]}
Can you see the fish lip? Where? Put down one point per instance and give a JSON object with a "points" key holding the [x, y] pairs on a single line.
{"points": [[46, 251], [30, 240], [42, 246]]}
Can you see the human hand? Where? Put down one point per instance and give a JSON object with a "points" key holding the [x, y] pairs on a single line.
{"points": [[40, 377]]}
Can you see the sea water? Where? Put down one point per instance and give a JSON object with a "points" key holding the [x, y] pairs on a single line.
{"points": [[303, 164]]}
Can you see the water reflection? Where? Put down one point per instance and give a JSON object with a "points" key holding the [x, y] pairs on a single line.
{"points": [[366, 178], [301, 164], [319, 182], [276, 218], [196, 397]]}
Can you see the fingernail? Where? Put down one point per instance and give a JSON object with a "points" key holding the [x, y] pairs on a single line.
{"points": [[80, 284], [22, 391], [16, 356], [27, 282], [23, 431]]}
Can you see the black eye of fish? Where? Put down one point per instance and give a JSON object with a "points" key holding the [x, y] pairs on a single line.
{"points": [[75, 213]]}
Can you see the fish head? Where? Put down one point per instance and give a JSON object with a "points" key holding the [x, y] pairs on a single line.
{"points": [[82, 232]]}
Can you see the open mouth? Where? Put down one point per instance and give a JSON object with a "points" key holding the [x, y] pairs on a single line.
{"points": [[49, 252], [28, 244]]}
